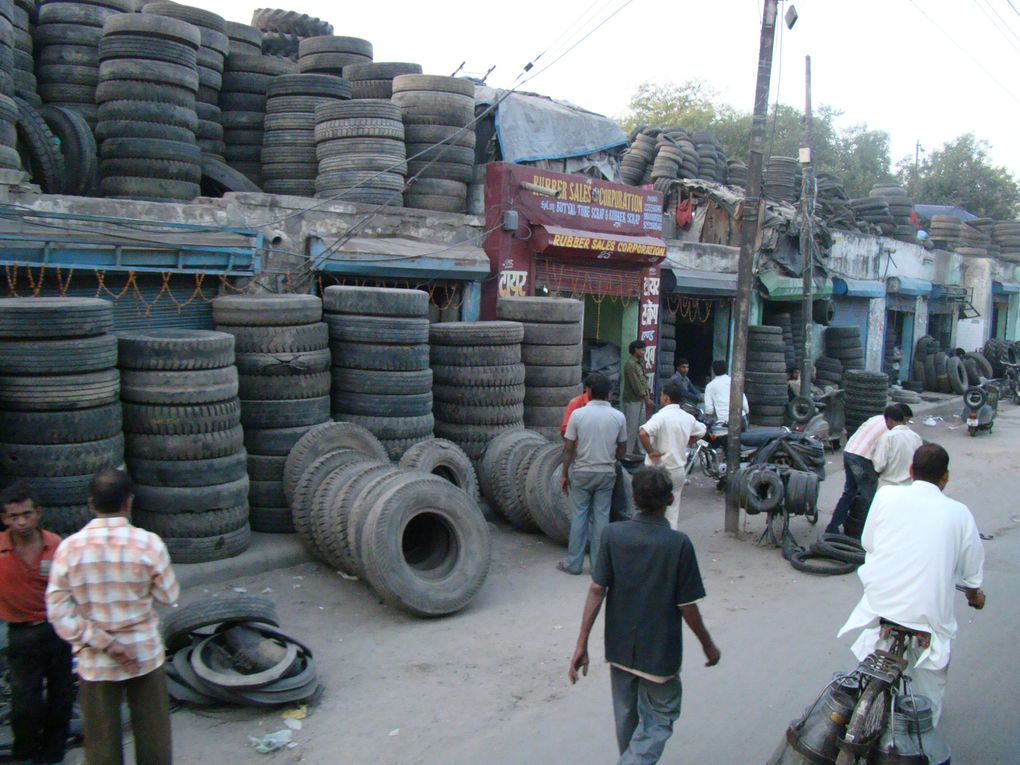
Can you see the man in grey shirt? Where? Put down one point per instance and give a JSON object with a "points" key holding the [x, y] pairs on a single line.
{"points": [[595, 439]]}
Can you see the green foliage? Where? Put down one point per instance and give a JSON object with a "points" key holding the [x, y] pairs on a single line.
{"points": [[961, 173]]}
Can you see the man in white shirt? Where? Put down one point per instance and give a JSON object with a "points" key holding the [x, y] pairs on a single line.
{"points": [[894, 452], [919, 544], [861, 476], [717, 393], [665, 437]]}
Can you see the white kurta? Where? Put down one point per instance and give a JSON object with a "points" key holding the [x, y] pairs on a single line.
{"points": [[717, 398], [919, 544], [893, 455], [670, 431]]}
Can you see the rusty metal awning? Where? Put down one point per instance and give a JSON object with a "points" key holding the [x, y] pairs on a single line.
{"points": [[399, 257]]}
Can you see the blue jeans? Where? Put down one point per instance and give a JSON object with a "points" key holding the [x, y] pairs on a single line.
{"points": [[862, 479], [591, 495], [645, 713]]}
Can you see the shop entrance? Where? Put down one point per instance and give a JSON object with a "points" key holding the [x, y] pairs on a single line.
{"points": [[695, 319]]}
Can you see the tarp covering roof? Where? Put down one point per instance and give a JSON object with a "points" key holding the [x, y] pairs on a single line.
{"points": [[928, 211]]}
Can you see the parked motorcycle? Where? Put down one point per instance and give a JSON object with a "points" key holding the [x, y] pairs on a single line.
{"points": [[980, 405]]}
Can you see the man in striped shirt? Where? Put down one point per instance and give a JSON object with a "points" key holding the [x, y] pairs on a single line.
{"points": [[104, 583], [861, 476]]}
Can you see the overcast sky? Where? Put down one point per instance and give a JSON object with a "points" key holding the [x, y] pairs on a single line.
{"points": [[926, 70]]}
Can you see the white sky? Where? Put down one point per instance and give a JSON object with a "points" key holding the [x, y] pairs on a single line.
{"points": [[883, 62]]}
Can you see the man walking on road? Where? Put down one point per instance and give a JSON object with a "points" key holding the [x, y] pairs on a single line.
{"points": [[36, 656], [594, 441], [637, 398], [918, 544], [895, 450], [665, 437], [717, 393], [648, 575], [104, 584], [861, 476]]}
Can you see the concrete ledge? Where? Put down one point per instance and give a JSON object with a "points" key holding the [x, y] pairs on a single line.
{"points": [[267, 552]]}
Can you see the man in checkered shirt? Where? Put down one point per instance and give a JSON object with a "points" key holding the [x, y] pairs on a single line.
{"points": [[104, 584]]}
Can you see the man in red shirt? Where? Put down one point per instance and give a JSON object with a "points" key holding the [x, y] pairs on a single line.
{"points": [[35, 653], [575, 403]]}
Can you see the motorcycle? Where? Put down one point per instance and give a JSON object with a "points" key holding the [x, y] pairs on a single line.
{"points": [[980, 406]]}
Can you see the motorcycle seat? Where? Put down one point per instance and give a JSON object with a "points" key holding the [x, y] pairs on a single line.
{"points": [[761, 436]]}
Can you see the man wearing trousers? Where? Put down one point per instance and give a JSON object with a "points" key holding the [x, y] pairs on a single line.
{"points": [[104, 584], [594, 440], [636, 396], [648, 575], [36, 656]]}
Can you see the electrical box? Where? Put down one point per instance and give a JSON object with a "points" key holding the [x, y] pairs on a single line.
{"points": [[511, 220]]}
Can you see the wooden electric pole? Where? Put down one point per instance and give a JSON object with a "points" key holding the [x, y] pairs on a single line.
{"points": [[750, 213], [807, 245]]}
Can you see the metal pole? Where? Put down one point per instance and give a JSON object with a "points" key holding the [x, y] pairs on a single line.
{"points": [[807, 249], [748, 236]]}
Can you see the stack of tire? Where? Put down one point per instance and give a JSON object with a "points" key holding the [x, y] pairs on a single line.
{"points": [[828, 372], [375, 80], [9, 157], [945, 231], [243, 38], [282, 358], [667, 346], [844, 344], [999, 353], [440, 162], [1006, 234], [77, 147], [766, 376], [329, 54], [973, 241], [785, 322], [782, 179], [282, 31], [866, 396], [7, 46], [45, 163], [246, 80], [148, 79], [736, 173], [289, 162], [901, 207], [67, 37], [211, 54], [23, 74], [60, 415], [360, 151], [413, 532], [477, 364], [551, 353], [874, 211], [381, 378], [503, 472], [637, 159], [184, 443]]}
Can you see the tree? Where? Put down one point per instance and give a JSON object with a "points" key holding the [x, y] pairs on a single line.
{"points": [[961, 173]]}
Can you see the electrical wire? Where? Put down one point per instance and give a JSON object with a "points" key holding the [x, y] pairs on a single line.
{"points": [[1015, 10], [1002, 27]]}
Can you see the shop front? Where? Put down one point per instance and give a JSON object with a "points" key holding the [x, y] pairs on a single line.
{"points": [[699, 307], [1005, 306], [574, 236], [904, 323]]}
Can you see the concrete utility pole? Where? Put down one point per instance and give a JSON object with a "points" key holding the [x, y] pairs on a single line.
{"points": [[748, 237], [807, 244]]}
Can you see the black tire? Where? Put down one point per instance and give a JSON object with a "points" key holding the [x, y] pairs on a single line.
{"points": [[370, 355], [982, 363], [175, 349], [382, 405], [764, 491], [178, 624], [482, 415], [185, 473], [59, 392], [475, 355], [140, 90], [444, 459], [839, 547], [496, 376], [149, 114], [27, 460], [191, 446], [289, 413], [271, 520], [206, 549], [426, 547], [263, 468], [219, 178], [322, 439], [467, 396], [302, 496], [202, 524], [49, 357], [506, 463], [259, 310], [957, 374], [181, 420], [267, 494], [45, 162], [308, 337], [339, 521], [283, 387], [476, 333], [62, 427], [377, 329], [813, 563], [392, 428], [545, 501], [203, 386], [78, 147], [175, 499], [389, 383], [552, 355], [556, 396], [547, 377]]}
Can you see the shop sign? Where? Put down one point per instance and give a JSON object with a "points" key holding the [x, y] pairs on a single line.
{"points": [[648, 319], [513, 284]]}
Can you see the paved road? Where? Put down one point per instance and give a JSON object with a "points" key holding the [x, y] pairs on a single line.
{"points": [[489, 685]]}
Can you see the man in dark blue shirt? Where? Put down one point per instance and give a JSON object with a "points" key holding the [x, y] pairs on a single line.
{"points": [[650, 574], [688, 390]]}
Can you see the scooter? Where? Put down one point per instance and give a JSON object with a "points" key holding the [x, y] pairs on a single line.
{"points": [[980, 405], [823, 417]]}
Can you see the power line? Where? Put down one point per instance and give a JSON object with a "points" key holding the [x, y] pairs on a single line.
{"points": [[1002, 28]]}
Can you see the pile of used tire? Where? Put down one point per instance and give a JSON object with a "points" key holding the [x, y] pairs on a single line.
{"points": [[329, 54], [785, 322], [440, 161], [999, 353], [866, 396], [945, 231], [231, 651], [1006, 234], [828, 372], [766, 388], [283, 31], [282, 358], [25, 84], [901, 207], [782, 179], [667, 346], [832, 204], [9, 157], [44, 161], [478, 366], [246, 80], [243, 38], [381, 378], [973, 241], [551, 353], [289, 161], [212, 51], [844, 344], [360, 150], [829, 555], [736, 173], [60, 414], [375, 80], [413, 532], [77, 146], [948, 372], [636, 164], [148, 80], [184, 443], [874, 212]]}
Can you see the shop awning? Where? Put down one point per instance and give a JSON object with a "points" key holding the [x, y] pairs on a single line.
{"points": [[779, 287], [948, 292], [611, 247], [904, 285], [704, 282], [389, 257], [859, 288], [1005, 288]]}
